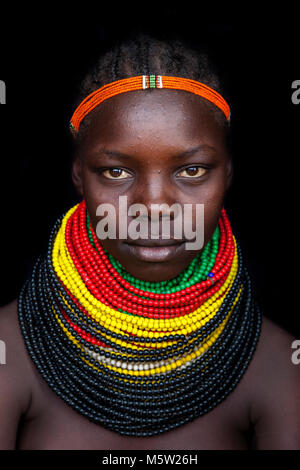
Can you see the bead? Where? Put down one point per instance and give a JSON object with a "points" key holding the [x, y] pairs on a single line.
{"points": [[136, 357]]}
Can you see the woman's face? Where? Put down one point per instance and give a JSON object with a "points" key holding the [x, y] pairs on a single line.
{"points": [[154, 147]]}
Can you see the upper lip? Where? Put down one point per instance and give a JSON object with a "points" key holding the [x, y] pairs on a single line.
{"points": [[158, 242]]}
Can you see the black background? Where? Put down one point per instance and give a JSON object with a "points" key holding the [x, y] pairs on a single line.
{"points": [[45, 54]]}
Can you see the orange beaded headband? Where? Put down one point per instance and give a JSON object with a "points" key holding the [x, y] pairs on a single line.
{"points": [[143, 82]]}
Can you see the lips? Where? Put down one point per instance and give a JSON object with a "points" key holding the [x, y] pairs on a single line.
{"points": [[154, 243], [154, 251]]}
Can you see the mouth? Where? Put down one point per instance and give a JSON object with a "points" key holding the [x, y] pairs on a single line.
{"points": [[154, 251], [154, 243]]}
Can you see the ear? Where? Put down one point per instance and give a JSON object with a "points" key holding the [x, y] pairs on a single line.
{"points": [[229, 172], [77, 175]]}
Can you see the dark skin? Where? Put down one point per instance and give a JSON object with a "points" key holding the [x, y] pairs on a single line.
{"points": [[152, 129], [183, 160]]}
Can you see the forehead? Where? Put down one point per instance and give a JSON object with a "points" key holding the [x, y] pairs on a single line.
{"points": [[168, 117]]}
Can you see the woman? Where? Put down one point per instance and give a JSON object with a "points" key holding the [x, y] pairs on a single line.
{"points": [[142, 342]]}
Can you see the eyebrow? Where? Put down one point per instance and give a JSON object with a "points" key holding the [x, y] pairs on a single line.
{"points": [[193, 150], [186, 153]]}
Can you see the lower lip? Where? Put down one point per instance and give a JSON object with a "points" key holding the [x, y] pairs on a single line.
{"points": [[155, 254]]}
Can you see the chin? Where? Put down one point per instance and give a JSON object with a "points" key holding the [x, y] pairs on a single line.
{"points": [[156, 271]]}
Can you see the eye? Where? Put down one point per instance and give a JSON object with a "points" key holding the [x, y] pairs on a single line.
{"points": [[192, 172], [116, 173]]}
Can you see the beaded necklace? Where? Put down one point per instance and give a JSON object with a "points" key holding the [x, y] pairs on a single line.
{"points": [[139, 358]]}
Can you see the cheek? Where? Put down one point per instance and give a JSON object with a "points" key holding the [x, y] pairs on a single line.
{"points": [[95, 195], [213, 205], [212, 195]]}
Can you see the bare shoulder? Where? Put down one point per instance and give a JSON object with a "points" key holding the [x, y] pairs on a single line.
{"points": [[15, 376], [274, 388], [10, 332], [274, 352], [15, 367]]}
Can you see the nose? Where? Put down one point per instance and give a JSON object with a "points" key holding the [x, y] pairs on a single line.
{"points": [[155, 192]]}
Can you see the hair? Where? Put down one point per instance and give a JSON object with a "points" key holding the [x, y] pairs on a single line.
{"points": [[145, 55]]}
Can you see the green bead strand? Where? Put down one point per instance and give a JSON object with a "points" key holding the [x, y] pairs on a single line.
{"points": [[196, 271]]}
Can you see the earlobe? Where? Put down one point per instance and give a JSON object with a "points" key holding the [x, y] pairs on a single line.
{"points": [[77, 175]]}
